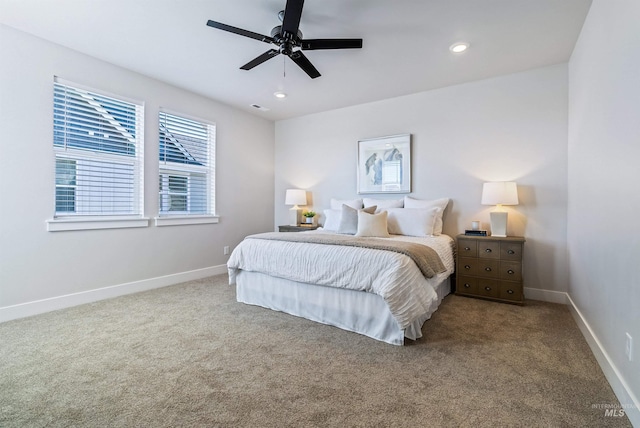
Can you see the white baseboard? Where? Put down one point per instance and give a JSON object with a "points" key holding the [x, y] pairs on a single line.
{"points": [[23, 310], [629, 402], [545, 295]]}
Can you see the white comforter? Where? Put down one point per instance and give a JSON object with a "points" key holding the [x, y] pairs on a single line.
{"points": [[394, 277]]}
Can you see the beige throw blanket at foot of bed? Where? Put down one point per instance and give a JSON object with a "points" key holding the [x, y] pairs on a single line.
{"points": [[424, 257]]}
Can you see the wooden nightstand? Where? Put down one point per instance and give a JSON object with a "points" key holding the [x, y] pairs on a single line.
{"points": [[490, 267], [299, 228]]}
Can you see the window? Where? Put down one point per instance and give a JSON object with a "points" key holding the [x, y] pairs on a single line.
{"points": [[65, 185], [174, 193], [97, 142], [187, 160]]}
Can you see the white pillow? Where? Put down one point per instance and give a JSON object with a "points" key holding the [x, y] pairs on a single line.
{"points": [[421, 203], [372, 224], [383, 204], [412, 221], [332, 220], [336, 204], [349, 219]]}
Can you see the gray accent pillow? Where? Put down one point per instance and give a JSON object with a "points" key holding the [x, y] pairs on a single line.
{"points": [[349, 219]]}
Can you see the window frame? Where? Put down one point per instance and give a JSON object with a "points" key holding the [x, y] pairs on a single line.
{"points": [[65, 220], [166, 168]]}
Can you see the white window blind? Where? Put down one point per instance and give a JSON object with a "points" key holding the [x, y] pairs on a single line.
{"points": [[99, 153], [187, 166]]}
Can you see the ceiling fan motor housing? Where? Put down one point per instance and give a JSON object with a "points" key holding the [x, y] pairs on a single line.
{"points": [[275, 32], [277, 35]]}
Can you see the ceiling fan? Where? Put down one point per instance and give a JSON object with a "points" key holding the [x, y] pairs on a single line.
{"points": [[288, 40]]}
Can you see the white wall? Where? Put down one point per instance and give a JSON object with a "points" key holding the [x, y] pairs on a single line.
{"points": [[507, 128], [604, 201], [36, 264]]}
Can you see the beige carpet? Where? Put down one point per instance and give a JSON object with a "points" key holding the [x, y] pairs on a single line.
{"points": [[189, 355]]}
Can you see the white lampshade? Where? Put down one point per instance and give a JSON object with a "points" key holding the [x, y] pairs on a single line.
{"points": [[295, 197], [500, 193]]}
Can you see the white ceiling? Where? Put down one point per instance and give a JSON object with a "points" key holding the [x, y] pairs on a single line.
{"points": [[405, 48]]}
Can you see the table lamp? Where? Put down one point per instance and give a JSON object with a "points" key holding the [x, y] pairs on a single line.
{"points": [[295, 197], [499, 193]]}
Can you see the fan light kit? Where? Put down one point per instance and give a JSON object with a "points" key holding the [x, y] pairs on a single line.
{"points": [[458, 47], [288, 40]]}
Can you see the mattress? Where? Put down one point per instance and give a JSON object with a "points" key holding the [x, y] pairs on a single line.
{"points": [[399, 287]]}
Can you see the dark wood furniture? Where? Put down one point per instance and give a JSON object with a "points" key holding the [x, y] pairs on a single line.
{"points": [[299, 228], [490, 267]]}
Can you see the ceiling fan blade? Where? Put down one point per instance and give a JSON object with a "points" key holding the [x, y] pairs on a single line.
{"points": [[240, 31], [312, 44], [292, 15], [259, 60], [303, 62]]}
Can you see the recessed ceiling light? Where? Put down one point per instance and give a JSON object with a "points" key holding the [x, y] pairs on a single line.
{"points": [[458, 47], [280, 95]]}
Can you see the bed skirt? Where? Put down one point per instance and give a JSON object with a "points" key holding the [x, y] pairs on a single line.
{"points": [[351, 310]]}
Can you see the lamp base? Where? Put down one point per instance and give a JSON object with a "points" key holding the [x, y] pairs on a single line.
{"points": [[498, 224], [294, 216]]}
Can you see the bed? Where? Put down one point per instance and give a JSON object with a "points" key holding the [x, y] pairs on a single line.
{"points": [[384, 287]]}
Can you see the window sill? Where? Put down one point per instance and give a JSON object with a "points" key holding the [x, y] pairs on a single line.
{"points": [[60, 225], [185, 220]]}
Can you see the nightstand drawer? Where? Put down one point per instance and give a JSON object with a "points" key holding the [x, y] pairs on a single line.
{"points": [[489, 250], [467, 248], [511, 251], [488, 268], [487, 287], [467, 285], [511, 271], [468, 266], [510, 291]]}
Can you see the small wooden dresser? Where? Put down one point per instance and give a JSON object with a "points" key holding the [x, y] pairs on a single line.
{"points": [[490, 267]]}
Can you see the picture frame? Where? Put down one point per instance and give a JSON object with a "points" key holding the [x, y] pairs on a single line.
{"points": [[384, 164]]}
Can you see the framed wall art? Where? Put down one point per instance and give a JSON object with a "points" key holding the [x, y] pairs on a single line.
{"points": [[384, 164]]}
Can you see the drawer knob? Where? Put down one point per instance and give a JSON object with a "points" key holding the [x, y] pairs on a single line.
{"points": [[488, 269], [467, 249], [488, 250], [510, 252], [467, 267], [487, 288], [510, 272], [466, 285], [510, 291]]}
